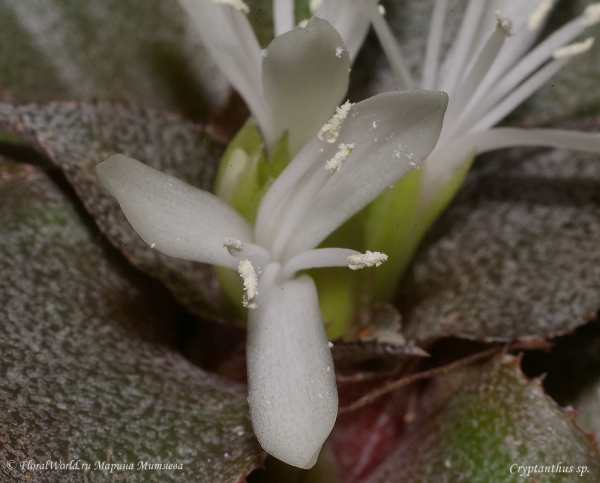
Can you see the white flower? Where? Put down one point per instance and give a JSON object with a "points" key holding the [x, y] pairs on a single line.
{"points": [[291, 382], [490, 69], [294, 84]]}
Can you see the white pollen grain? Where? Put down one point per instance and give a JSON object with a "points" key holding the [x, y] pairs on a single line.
{"points": [[335, 163], [330, 131], [246, 271], [504, 22], [591, 15], [367, 259], [540, 13], [573, 49], [233, 245]]}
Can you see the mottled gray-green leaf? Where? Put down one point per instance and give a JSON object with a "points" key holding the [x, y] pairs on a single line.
{"points": [[481, 424], [88, 372], [140, 51], [77, 136], [516, 255]]}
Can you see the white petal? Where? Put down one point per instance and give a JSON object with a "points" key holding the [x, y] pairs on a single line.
{"points": [[349, 18], [305, 76], [392, 134], [291, 380], [229, 37], [172, 216]]}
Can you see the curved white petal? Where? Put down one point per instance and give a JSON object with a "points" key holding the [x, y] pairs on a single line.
{"points": [[349, 18], [392, 134], [305, 76], [175, 218], [230, 39], [291, 380]]}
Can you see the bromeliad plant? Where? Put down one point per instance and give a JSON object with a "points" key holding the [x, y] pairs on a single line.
{"points": [[291, 379], [73, 349]]}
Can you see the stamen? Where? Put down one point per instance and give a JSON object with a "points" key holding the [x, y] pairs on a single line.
{"points": [[469, 85], [504, 22], [463, 46], [235, 4], [319, 257], [381, 9], [233, 245], [335, 163], [246, 271], [368, 259], [434, 42], [591, 15], [573, 49], [390, 47], [540, 13], [331, 130]]}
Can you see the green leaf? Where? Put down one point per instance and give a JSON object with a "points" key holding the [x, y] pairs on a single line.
{"points": [[88, 369], [480, 424], [515, 256], [77, 136]]}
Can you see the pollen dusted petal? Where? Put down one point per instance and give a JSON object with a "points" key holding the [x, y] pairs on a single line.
{"points": [[291, 382], [173, 217], [408, 127]]}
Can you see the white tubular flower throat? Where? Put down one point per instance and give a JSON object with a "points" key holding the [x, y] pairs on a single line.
{"points": [[487, 73], [291, 383]]}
